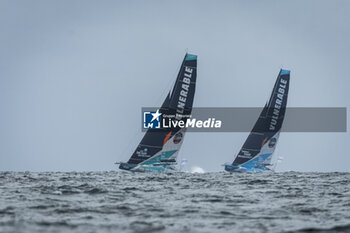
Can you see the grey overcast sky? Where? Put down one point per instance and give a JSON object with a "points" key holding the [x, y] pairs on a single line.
{"points": [[75, 74]]}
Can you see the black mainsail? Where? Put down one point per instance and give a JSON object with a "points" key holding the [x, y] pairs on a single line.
{"points": [[257, 150], [158, 149]]}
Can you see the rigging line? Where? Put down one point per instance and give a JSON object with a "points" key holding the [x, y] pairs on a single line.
{"points": [[128, 148], [170, 83], [133, 142]]}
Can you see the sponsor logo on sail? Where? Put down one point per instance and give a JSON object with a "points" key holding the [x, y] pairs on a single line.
{"points": [[142, 153], [272, 142], [244, 154], [278, 103], [185, 88], [177, 138]]}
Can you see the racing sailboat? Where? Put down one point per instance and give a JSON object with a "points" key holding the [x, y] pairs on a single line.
{"points": [[256, 153], [159, 148]]}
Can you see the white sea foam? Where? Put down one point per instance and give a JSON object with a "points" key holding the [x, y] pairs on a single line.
{"points": [[196, 169]]}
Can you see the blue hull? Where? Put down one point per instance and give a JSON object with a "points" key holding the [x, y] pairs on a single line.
{"points": [[254, 165]]}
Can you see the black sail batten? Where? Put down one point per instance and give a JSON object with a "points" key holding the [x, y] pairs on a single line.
{"points": [[179, 100], [269, 122]]}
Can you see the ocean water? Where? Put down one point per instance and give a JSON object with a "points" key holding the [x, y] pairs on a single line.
{"points": [[179, 202]]}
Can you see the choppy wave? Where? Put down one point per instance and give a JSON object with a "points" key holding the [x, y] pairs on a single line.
{"points": [[177, 202]]}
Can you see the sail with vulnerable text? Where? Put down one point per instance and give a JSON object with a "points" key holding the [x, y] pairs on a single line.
{"points": [[256, 152], [159, 148]]}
